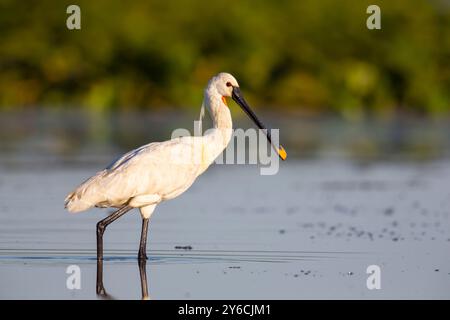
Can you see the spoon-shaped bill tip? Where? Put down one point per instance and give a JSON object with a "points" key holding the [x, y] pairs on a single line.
{"points": [[282, 153]]}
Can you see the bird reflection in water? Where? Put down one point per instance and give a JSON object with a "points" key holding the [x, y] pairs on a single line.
{"points": [[100, 289]]}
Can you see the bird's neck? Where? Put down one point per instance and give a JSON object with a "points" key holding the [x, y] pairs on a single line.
{"points": [[219, 137], [222, 118], [220, 115]]}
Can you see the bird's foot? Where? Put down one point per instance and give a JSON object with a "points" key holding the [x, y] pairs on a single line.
{"points": [[102, 294], [100, 290]]}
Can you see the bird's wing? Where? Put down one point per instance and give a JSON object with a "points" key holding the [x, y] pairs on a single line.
{"points": [[129, 155], [162, 168], [156, 168]]}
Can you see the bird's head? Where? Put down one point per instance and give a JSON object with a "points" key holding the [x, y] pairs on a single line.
{"points": [[225, 85]]}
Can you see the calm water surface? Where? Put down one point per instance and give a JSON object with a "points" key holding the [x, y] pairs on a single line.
{"points": [[310, 231]]}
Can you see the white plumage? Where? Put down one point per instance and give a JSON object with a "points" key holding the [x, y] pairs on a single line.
{"points": [[159, 171]]}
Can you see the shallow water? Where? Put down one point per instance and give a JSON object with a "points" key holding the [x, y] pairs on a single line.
{"points": [[310, 231]]}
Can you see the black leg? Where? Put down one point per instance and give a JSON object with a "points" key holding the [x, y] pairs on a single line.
{"points": [[143, 275], [99, 287], [102, 224], [143, 245]]}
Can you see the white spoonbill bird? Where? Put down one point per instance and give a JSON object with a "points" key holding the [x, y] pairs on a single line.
{"points": [[159, 171]]}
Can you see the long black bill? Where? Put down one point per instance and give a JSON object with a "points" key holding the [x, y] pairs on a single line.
{"points": [[239, 99]]}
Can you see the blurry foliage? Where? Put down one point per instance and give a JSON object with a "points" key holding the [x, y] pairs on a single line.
{"points": [[313, 56]]}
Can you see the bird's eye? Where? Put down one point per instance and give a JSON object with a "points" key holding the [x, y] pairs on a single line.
{"points": [[229, 84]]}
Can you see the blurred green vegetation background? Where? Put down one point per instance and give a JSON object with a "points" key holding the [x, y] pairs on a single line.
{"points": [[312, 57]]}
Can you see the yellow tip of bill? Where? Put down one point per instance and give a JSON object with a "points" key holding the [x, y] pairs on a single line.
{"points": [[282, 153]]}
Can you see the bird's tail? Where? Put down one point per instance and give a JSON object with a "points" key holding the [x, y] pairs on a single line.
{"points": [[89, 194], [74, 203]]}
